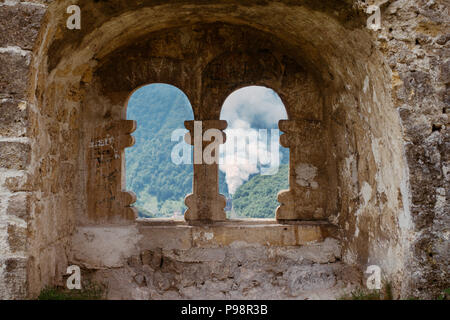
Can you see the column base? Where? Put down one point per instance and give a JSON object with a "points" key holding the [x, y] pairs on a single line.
{"points": [[204, 208]]}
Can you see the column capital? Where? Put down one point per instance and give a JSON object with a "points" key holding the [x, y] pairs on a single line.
{"points": [[306, 197], [207, 124]]}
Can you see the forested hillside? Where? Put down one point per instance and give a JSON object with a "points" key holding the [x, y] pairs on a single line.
{"points": [[257, 198], [159, 184]]}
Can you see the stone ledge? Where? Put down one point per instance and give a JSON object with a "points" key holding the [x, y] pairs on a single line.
{"points": [[173, 234], [100, 247], [228, 222]]}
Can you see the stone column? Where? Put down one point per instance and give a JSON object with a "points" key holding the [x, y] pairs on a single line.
{"points": [[205, 203], [107, 201], [306, 197]]}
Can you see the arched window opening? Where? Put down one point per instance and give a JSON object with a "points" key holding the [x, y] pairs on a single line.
{"points": [[153, 170], [254, 166]]}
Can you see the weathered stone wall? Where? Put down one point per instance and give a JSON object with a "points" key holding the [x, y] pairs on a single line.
{"points": [[215, 61], [381, 99], [20, 25], [40, 147], [172, 260], [414, 42]]}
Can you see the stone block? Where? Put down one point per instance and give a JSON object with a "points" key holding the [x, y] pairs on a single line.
{"points": [[152, 258], [14, 155], [19, 205], [165, 237], [104, 247], [307, 278], [14, 119], [14, 284], [20, 25], [19, 184], [14, 73], [17, 238]]}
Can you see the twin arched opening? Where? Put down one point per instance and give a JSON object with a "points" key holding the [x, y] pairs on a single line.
{"points": [[80, 81], [253, 166]]}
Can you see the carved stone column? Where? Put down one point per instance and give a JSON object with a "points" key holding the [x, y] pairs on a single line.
{"points": [[205, 203], [107, 201], [308, 186]]}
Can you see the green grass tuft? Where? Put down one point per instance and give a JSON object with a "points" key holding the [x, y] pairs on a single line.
{"points": [[385, 294], [89, 291], [445, 295], [363, 295]]}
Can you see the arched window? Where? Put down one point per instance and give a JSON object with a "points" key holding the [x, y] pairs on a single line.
{"points": [[254, 166], [160, 185]]}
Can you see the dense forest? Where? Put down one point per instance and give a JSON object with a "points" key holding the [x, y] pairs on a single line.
{"points": [[161, 185]]}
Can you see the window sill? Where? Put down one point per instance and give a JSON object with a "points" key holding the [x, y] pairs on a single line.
{"points": [[179, 234]]}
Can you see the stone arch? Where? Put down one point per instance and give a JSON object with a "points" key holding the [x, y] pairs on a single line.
{"points": [[258, 84], [368, 191], [149, 84], [252, 65]]}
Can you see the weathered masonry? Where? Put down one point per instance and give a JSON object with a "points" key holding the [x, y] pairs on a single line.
{"points": [[367, 130]]}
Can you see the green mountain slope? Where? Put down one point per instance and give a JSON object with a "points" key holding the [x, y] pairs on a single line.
{"points": [[159, 184], [257, 198]]}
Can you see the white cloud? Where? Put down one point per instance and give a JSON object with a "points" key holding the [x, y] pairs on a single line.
{"points": [[243, 110]]}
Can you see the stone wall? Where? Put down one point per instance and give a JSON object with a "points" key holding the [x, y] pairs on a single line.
{"points": [[39, 156], [414, 41], [20, 25], [378, 99], [172, 260]]}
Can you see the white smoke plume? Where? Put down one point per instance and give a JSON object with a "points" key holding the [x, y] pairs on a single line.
{"points": [[242, 108]]}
